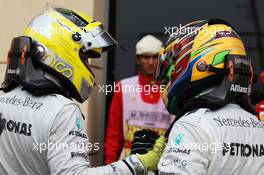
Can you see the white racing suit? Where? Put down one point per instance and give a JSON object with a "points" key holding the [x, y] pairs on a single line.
{"points": [[46, 135], [229, 141]]}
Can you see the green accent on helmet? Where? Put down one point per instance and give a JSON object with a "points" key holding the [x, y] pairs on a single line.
{"points": [[170, 70], [202, 49], [220, 57], [173, 106], [197, 51]]}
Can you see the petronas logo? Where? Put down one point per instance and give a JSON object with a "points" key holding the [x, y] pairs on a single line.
{"points": [[78, 123], [179, 139]]}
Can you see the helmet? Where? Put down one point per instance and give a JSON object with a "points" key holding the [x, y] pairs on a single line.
{"points": [[204, 64], [59, 42]]}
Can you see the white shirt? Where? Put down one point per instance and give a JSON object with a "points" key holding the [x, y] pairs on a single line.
{"points": [[46, 135], [229, 141]]}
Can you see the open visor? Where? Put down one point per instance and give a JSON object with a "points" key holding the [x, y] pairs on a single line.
{"points": [[98, 38]]}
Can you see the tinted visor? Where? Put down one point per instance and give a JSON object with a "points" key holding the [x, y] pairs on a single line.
{"points": [[167, 58], [72, 16]]}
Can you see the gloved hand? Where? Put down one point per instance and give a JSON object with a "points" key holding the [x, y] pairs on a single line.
{"points": [[151, 159], [143, 141], [140, 164]]}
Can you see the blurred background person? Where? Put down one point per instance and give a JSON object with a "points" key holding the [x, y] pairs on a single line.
{"points": [[138, 107]]}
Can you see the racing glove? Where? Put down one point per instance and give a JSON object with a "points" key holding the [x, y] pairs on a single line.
{"points": [[143, 141], [140, 164]]}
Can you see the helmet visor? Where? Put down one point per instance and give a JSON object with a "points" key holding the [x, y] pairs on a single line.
{"points": [[98, 38], [167, 58]]}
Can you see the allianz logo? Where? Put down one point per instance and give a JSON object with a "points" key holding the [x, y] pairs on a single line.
{"points": [[238, 88], [13, 71]]}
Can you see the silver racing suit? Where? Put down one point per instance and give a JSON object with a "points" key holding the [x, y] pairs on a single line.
{"points": [[228, 141], [46, 135]]}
